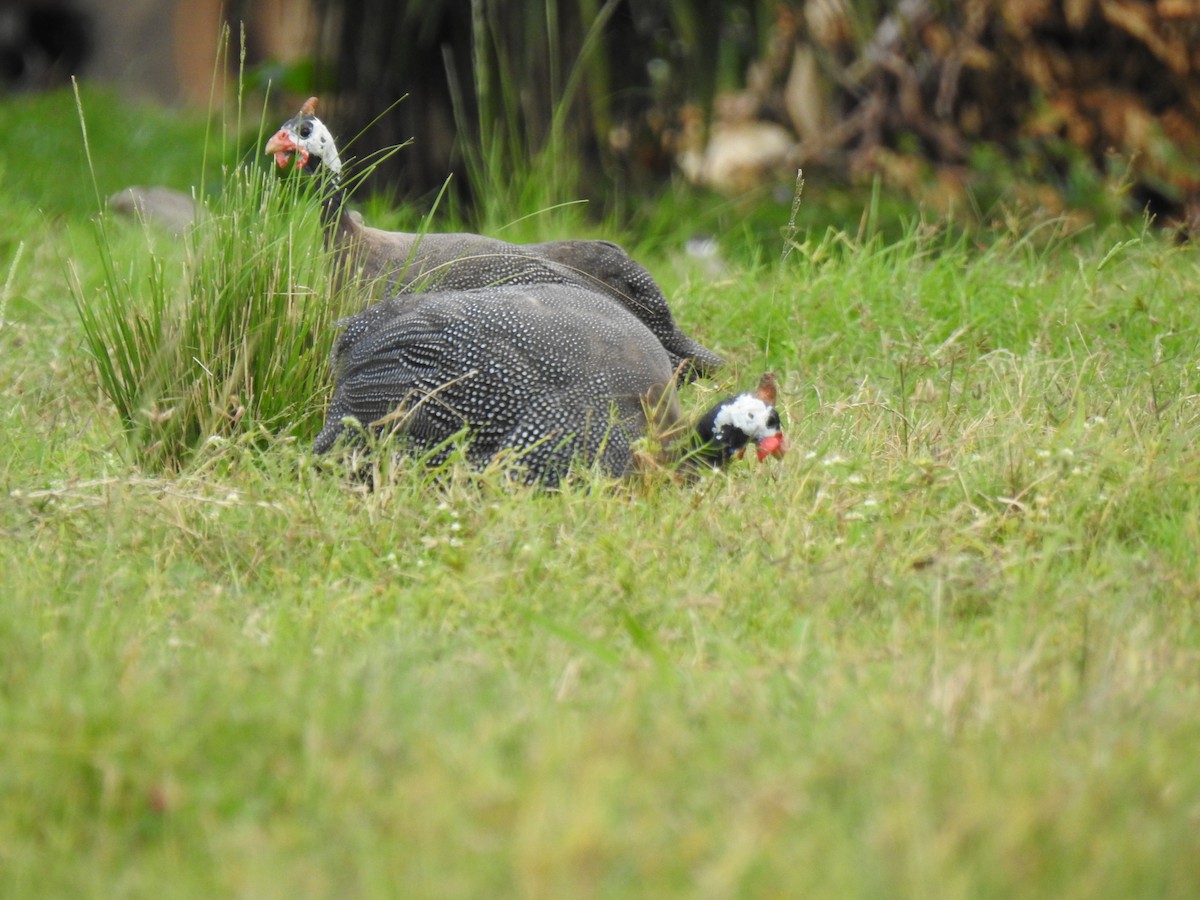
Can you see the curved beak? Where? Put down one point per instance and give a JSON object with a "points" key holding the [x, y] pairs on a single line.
{"points": [[773, 445], [283, 145]]}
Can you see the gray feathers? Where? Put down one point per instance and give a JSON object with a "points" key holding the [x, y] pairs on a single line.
{"points": [[552, 372], [462, 261]]}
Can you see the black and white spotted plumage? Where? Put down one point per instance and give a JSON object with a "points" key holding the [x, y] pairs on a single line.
{"points": [[412, 263], [550, 373], [457, 261], [724, 432]]}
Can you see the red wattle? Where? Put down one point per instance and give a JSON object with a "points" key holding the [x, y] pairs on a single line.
{"points": [[774, 445], [282, 145]]}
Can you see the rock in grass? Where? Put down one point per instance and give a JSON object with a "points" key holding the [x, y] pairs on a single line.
{"points": [[167, 208]]}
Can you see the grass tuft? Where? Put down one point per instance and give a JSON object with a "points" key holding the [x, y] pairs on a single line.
{"points": [[223, 335]]}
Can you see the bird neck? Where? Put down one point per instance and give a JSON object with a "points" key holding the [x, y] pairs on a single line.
{"points": [[702, 452], [335, 214], [709, 446]]}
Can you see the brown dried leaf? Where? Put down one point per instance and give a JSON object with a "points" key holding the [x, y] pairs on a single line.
{"points": [[1022, 16], [829, 23], [806, 95], [1077, 12], [1178, 9], [1139, 22]]}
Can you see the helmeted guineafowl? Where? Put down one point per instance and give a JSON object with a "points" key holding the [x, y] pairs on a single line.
{"points": [[552, 373], [427, 262]]}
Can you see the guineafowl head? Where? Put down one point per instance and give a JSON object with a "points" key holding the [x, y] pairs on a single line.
{"points": [[725, 430], [306, 137]]}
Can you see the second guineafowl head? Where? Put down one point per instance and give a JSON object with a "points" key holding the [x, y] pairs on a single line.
{"points": [[308, 140]]}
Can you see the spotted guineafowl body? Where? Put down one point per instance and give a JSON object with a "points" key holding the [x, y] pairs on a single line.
{"points": [[460, 261], [552, 373]]}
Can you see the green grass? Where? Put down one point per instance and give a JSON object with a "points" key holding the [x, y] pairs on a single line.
{"points": [[950, 647], [224, 334]]}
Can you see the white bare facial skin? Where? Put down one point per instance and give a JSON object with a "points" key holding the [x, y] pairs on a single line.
{"points": [[320, 143], [748, 414]]}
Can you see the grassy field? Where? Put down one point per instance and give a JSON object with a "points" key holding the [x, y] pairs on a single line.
{"points": [[950, 647]]}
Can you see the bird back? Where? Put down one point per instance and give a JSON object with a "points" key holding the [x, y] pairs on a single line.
{"points": [[553, 372]]}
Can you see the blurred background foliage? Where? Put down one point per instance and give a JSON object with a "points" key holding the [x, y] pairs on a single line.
{"points": [[1076, 108]]}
